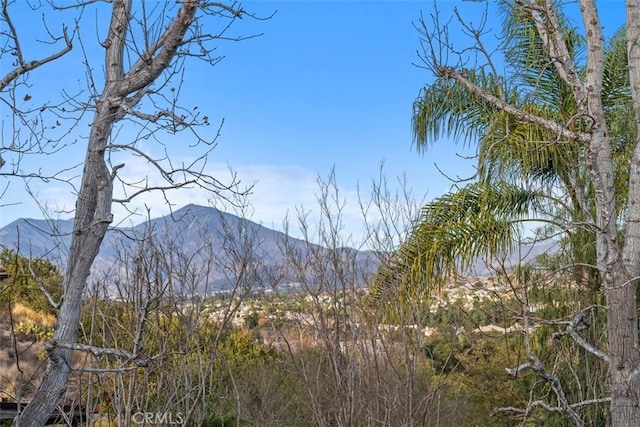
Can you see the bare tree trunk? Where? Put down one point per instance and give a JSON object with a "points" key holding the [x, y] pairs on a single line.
{"points": [[93, 216], [122, 91], [622, 332], [622, 307]]}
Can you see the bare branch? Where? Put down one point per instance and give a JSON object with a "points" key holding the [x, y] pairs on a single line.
{"points": [[527, 410], [578, 323], [155, 117], [582, 404], [148, 189], [24, 67], [235, 12], [550, 408], [42, 288], [537, 366], [138, 359]]}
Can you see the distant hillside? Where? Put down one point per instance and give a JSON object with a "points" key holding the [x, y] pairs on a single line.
{"points": [[192, 227], [189, 228], [38, 238]]}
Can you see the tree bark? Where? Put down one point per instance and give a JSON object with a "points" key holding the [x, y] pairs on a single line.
{"points": [[622, 307], [95, 197], [617, 264], [92, 218]]}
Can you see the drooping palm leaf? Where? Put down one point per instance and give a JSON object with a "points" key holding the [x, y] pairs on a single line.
{"points": [[517, 150], [446, 108], [615, 81], [527, 58], [619, 113], [517, 160], [452, 232]]}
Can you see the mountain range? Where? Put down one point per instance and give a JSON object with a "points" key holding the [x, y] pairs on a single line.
{"points": [[218, 250], [221, 244]]}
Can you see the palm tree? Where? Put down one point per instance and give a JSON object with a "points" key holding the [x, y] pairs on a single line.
{"points": [[523, 174]]}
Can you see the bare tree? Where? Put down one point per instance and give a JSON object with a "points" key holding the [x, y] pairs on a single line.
{"points": [[354, 369], [157, 304], [144, 53]]}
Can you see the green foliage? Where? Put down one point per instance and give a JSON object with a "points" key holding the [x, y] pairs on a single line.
{"points": [[445, 108], [22, 287], [472, 365], [240, 348], [251, 320], [190, 354], [452, 232], [34, 330], [214, 420]]}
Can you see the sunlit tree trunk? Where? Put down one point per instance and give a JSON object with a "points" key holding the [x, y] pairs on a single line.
{"points": [[621, 292], [122, 91], [611, 220]]}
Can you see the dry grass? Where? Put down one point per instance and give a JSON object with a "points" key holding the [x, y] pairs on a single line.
{"points": [[23, 313], [21, 361]]}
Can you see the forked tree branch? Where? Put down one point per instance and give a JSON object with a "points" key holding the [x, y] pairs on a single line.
{"points": [[572, 331], [136, 358], [23, 66], [538, 367]]}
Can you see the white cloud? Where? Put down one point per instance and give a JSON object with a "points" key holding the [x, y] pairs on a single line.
{"points": [[276, 193]]}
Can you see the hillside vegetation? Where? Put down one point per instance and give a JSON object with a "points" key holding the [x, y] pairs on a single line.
{"points": [[324, 355]]}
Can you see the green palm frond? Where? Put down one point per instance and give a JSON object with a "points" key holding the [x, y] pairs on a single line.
{"points": [[447, 109], [616, 94], [454, 231], [615, 81], [517, 150], [527, 56]]}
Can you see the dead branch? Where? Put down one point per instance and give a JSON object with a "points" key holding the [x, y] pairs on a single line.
{"points": [[578, 323], [537, 366], [23, 66], [138, 359], [42, 288]]}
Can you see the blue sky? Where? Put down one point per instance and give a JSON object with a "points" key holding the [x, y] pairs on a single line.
{"points": [[328, 86]]}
